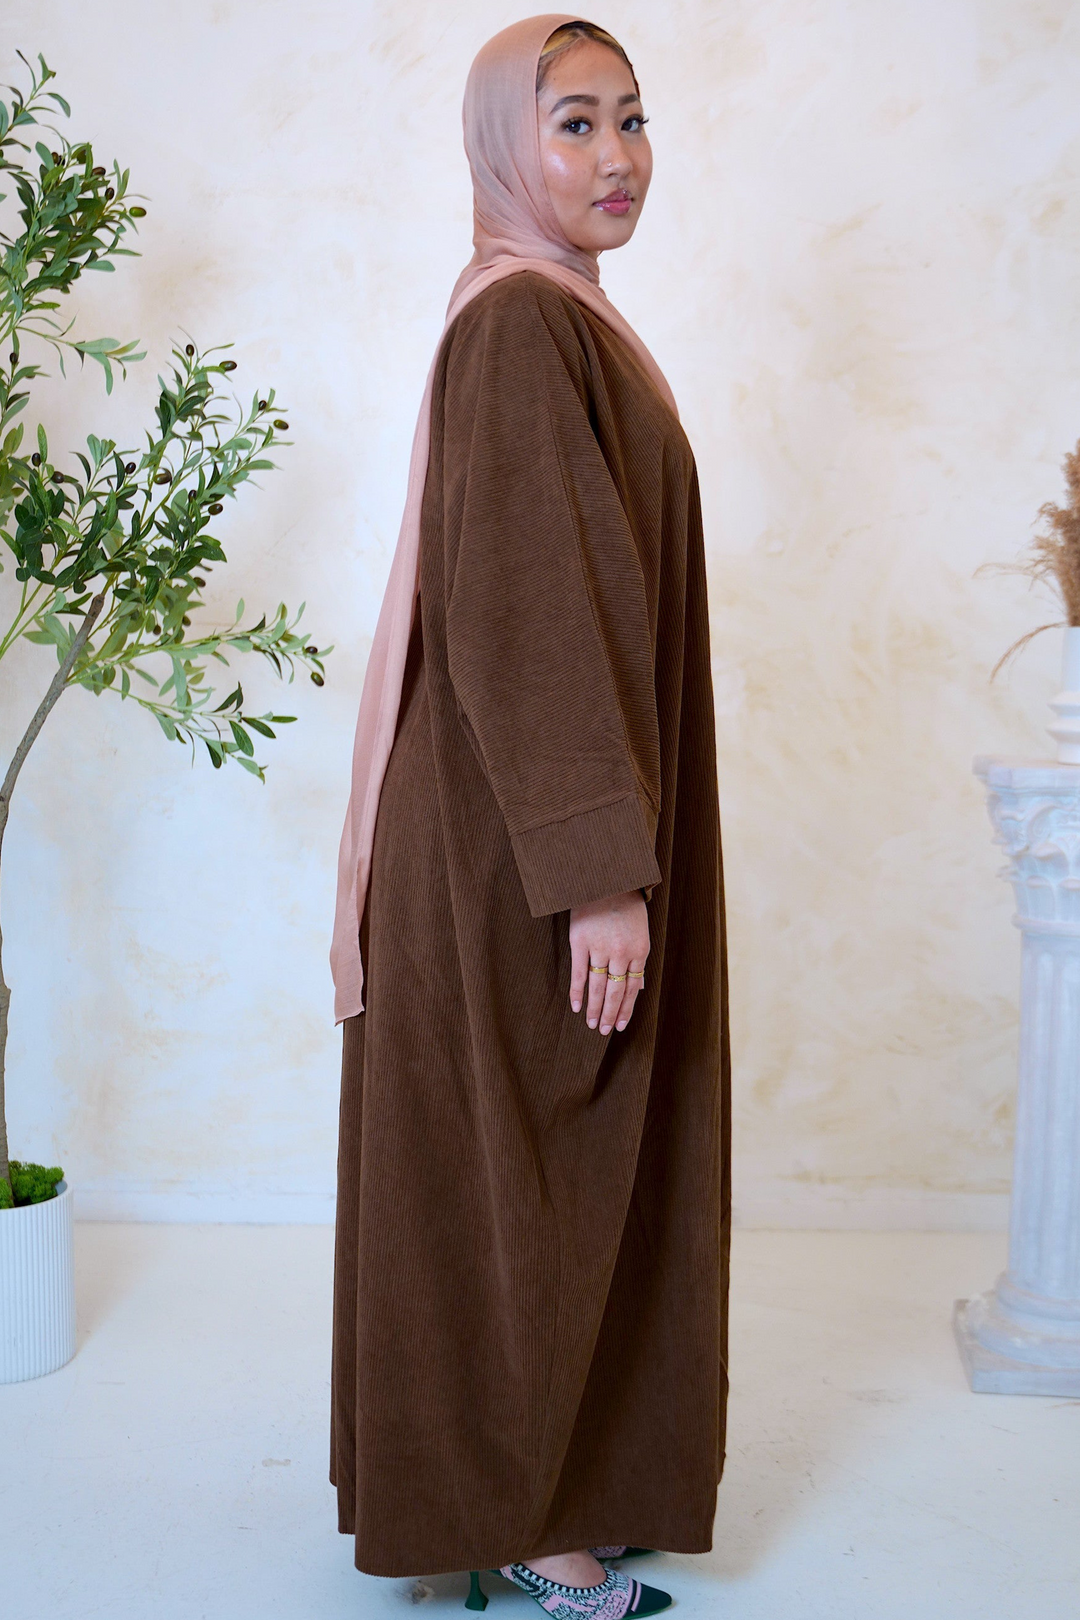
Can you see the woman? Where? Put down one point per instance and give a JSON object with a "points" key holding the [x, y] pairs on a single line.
{"points": [[530, 1305]]}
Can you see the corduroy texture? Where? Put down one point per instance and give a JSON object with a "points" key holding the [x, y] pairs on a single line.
{"points": [[531, 1262]]}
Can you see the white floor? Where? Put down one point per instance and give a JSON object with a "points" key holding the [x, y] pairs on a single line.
{"points": [[176, 1468]]}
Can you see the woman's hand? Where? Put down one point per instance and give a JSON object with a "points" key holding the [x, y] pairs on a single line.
{"points": [[612, 934]]}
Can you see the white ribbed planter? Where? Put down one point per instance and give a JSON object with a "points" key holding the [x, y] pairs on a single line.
{"points": [[1066, 729], [37, 1287]]}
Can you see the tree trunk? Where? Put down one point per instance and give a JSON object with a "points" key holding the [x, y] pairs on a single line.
{"points": [[18, 760]]}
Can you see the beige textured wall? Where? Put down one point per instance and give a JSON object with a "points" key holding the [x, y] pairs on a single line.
{"points": [[858, 267]]}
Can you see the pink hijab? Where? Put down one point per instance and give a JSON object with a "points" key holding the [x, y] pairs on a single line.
{"points": [[514, 228]]}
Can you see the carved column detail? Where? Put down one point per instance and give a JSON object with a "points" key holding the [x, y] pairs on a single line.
{"points": [[1023, 1337]]}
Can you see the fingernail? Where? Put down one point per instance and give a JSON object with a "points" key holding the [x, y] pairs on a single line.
{"points": [[605, 1029], [576, 1006], [592, 1023], [621, 1024]]}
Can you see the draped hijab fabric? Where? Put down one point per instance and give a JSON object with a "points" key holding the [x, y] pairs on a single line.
{"points": [[514, 229]]}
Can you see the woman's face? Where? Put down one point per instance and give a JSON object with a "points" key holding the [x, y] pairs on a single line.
{"points": [[593, 144]]}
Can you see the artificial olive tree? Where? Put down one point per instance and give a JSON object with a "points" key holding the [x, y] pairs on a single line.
{"points": [[111, 552]]}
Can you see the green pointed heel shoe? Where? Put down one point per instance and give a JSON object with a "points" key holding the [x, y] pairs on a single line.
{"points": [[476, 1598]]}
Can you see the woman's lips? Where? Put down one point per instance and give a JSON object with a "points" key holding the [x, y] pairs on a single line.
{"points": [[619, 202]]}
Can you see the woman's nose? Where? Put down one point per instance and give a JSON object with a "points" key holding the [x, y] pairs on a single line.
{"points": [[616, 160]]}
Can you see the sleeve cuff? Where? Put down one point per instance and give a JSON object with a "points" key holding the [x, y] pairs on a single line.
{"points": [[587, 856]]}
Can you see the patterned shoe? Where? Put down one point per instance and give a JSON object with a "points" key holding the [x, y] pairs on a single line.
{"points": [[621, 1552], [619, 1595]]}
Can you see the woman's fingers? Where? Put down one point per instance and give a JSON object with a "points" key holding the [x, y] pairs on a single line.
{"points": [[609, 942], [620, 997], [589, 982], [635, 979], [597, 991], [579, 971], [611, 1002], [616, 989]]}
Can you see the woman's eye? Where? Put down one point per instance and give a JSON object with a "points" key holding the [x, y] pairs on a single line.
{"points": [[572, 125]]}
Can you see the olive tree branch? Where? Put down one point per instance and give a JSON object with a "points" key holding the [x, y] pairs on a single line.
{"points": [[45, 708], [18, 759]]}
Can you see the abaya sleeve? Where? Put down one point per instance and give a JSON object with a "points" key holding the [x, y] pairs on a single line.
{"points": [[550, 647]]}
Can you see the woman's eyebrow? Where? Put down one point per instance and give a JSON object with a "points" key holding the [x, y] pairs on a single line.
{"points": [[592, 101]]}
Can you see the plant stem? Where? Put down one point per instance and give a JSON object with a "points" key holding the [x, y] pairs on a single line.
{"points": [[18, 760], [22, 618]]}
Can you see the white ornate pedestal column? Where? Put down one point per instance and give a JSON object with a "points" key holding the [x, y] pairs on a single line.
{"points": [[1023, 1337]]}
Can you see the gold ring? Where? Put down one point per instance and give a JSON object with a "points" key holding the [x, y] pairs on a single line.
{"points": [[597, 969], [616, 976]]}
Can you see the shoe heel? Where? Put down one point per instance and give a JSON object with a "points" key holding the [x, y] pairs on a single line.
{"points": [[476, 1598]]}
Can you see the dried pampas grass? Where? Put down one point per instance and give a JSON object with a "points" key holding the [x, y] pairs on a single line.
{"points": [[1053, 557]]}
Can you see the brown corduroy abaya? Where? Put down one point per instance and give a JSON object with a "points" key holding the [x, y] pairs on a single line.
{"points": [[533, 1219]]}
